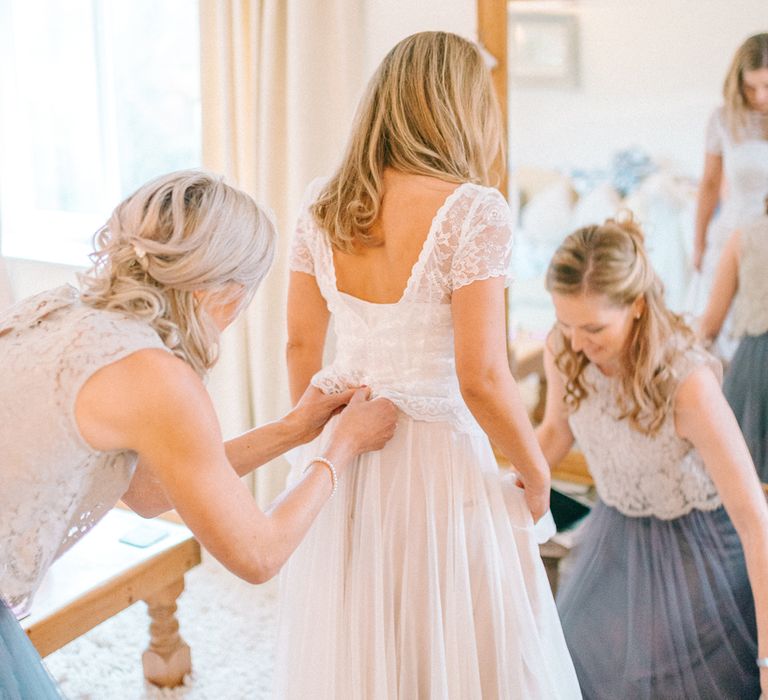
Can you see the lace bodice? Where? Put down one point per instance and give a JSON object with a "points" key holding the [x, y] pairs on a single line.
{"points": [[640, 475], [54, 486], [404, 351], [750, 306], [745, 169]]}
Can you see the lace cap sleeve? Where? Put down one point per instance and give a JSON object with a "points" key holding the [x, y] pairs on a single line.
{"points": [[693, 358], [714, 134], [485, 247], [301, 258]]}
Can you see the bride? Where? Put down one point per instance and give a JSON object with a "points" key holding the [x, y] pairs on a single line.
{"points": [[422, 579]]}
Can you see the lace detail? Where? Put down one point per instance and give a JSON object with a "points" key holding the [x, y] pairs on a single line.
{"points": [[300, 257], [640, 475], [486, 251], [57, 487], [750, 307], [404, 351]]}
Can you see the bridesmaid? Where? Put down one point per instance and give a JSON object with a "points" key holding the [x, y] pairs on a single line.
{"points": [[658, 602], [102, 398]]}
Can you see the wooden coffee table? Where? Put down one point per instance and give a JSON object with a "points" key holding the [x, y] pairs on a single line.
{"points": [[100, 576]]}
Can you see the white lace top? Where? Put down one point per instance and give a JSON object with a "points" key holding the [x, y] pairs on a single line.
{"points": [[750, 306], [640, 475], [54, 486], [745, 169], [404, 351]]}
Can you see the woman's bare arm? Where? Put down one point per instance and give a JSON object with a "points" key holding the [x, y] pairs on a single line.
{"points": [[490, 390], [248, 451], [308, 318], [707, 199], [703, 417], [723, 290], [154, 404], [554, 434]]}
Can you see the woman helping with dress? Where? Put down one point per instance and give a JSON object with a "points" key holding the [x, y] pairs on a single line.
{"points": [[426, 579], [658, 598], [737, 154], [96, 379]]}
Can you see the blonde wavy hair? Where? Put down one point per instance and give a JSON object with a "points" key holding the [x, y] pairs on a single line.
{"points": [[430, 109], [179, 236], [610, 260], [751, 55]]}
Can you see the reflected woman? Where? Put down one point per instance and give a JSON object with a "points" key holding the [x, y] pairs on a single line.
{"points": [[737, 155]]}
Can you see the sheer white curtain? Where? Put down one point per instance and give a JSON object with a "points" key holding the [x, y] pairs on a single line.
{"points": [[280, 79]]}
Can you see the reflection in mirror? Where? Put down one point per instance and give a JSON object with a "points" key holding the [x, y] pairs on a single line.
{"points": [[608, 102]]}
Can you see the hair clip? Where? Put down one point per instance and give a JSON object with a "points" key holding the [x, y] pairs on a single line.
{"points": [[173, 339], [141, 255]]}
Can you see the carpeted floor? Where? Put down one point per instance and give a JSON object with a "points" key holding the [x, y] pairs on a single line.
{"points": [[229, 624]]}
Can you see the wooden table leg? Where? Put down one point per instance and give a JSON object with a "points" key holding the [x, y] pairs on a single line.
{"points": [[168, 657]]}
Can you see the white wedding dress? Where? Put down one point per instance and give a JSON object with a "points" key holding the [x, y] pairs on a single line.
{"points": [[421, 578]]}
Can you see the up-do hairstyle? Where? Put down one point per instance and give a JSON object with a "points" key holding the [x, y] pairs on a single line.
{"points": [[751, 55], [430, 109], [181, 233], [610, 260]]}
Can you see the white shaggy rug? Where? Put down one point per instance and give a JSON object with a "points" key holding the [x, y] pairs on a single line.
{"points": [[229, 624]]}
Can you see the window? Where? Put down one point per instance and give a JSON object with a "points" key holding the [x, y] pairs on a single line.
{"points": [[96, 97]]}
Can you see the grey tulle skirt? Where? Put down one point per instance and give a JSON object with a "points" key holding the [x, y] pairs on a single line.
{"points": [[660, 609], [746, 388], [22, 673]]}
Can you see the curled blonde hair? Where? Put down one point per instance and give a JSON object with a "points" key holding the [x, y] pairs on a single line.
{"points": [[751, 55], [430, 109], [610, 260], [179, 234]]}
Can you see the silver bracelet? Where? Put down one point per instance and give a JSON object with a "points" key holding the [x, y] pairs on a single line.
{"points": [[331, 468], [762, 662]]}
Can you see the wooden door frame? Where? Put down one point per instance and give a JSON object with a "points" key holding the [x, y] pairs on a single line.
{"points": [[492, 33]]}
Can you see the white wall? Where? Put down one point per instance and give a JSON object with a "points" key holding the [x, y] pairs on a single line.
{"points": [[651, 72], [389, 21], [28, 277]]}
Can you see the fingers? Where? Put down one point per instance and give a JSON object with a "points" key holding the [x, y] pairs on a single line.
{"points": [[388, 412], [380, 423], [343, 397], [385, 436], [359, 395], [386, 404], [384, 409]]}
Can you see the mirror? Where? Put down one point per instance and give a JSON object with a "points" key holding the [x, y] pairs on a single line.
{"points": [[607, 104]]}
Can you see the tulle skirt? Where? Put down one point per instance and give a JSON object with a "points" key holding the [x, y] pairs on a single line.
{"points": [[22, 674], [746, 388], [660, 609], [421, 579]]}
